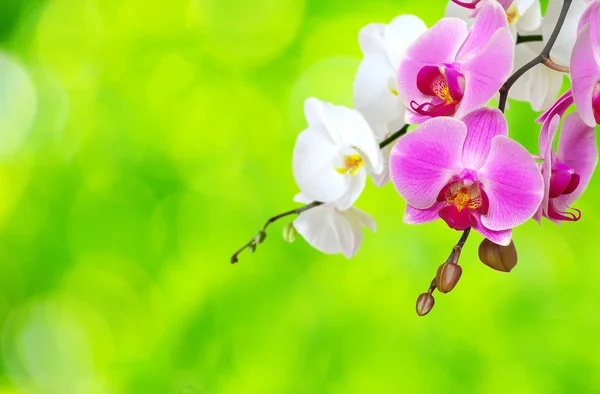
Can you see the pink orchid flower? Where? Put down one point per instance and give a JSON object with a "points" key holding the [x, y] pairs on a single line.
{"points": [[567, 171], [585, 66], [450, 71], [469, 173]]}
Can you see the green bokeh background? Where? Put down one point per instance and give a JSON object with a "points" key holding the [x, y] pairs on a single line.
{"points": [[142, 142]]}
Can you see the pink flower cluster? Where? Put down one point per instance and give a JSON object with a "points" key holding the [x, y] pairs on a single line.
{"points": [[459, 164]]}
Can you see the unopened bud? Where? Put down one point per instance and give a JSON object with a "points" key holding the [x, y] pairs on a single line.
{"points": [[260, 237], [425, 303], [289, 232], [498, 257], [252, 248], [447, 276]]}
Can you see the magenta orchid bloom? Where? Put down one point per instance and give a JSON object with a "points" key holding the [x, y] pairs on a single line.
{"points": [[585, 66], [450, 71], [567, 171], [469, 173]]}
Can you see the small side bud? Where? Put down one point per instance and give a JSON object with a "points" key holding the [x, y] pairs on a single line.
{"points": [[425, 303], [252, 248], [447, 276], [234, 259], [498, 257], [260, 237], [289, 232]]}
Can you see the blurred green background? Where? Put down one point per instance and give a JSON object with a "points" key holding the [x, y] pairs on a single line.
{"points": [[142, 142]]}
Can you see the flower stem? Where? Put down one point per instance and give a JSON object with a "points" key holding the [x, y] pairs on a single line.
{"points": [[556, 67], [541, 58], [251, 245], [533, 38]]}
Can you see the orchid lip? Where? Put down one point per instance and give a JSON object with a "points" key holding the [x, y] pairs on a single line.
{"points": [[470, 6], [445, 85], [596, 102], [464, 197]]}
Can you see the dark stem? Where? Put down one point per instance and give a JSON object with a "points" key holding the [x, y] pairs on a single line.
{"points": [[538, 59], [533, 38], [255, 240]]}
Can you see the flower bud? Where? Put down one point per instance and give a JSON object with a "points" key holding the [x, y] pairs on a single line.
{"points": [[289, 232], [447, 276], [425, 303], [252, 248], [498, 257], [260, 237]]}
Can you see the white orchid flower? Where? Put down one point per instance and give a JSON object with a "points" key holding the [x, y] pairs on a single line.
{"points": [[333, 155]]}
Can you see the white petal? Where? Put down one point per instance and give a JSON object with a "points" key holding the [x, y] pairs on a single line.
{"points": [[355, 188], [348, 128], [530, 16], [561, 52], [313, 165], [332, 231], [370, 39], [382, 179], [373, 95], [301, 198], [540, 85], [400, 34]]}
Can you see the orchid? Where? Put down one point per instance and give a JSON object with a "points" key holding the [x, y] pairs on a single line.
{"points": [[585, 66], [567, 171], [375, 95], [459, 165], [333, 155], [468, 173], [450, 71]]}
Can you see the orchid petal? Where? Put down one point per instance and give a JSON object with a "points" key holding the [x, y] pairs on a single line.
{"points": [[355, 187], [577, 149], [332, 231], [414, 215], [482, 126], [546, 147], [400, 34], [585, 73], [423, 161], [370, 39], [486, 72], [313, 166], [558, 108], [531, 16], [490, 18], [501, 237], [513, 184]]}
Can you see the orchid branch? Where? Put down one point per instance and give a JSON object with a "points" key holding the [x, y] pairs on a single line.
{"points": [[541, 58], [532, 38], [262, 233]]}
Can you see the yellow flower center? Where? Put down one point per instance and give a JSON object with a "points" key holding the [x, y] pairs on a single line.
{"points": [[352, 164], [463, 196], [512, 15]]}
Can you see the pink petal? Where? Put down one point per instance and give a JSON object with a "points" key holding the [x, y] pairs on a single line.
{"points": [[558, 108], [414, 215], [585, 73], [423, 161], [486, 72], [546, 146], [435, 47], [482, 126], [577, 148], [513, 184], [490, 17], [501, 237]]}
